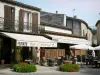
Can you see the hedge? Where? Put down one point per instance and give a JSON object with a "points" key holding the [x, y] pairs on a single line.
{"points": [[24, 67], [69, 68]]}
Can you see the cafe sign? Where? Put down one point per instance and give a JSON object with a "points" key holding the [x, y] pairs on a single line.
{"points": [[36, 44]]}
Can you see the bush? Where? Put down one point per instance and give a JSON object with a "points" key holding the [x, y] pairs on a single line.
{"points": [[24, 67], [69, 68]]}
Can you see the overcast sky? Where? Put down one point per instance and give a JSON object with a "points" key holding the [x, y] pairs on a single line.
{"points": [[88, 10]]}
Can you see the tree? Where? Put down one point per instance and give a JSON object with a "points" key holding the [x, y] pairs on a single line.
{"points": [[94, 31]]}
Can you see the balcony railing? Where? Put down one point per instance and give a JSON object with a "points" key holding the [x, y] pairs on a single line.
{"points": [[1, 23], [27, 27], [16, 25]]}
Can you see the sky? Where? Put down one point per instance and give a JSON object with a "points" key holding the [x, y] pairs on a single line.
{"points": [[87, 10]]}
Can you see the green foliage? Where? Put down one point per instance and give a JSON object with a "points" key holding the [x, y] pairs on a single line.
{"points": [[69, 68], [94, 31], [24, 67]]}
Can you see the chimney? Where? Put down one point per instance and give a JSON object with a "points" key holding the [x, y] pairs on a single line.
{"points": [[75, 16], [56, 12]]}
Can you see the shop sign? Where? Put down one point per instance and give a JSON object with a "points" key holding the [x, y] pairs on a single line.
{"points": [[21, 43], [36, 44]]}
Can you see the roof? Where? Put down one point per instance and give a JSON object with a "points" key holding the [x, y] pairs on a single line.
{"points": [[54, 19], [54, 25], [21, 4], [97, 22]]}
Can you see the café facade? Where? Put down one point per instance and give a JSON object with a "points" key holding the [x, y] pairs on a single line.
{"points": [[19, 35]]}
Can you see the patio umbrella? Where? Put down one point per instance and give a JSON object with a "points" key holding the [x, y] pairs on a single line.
{"points": [[83, 47], [97, 48]]}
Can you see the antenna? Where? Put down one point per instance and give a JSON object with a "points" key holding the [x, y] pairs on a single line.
{"points": [[99, 14], [73, 12]]}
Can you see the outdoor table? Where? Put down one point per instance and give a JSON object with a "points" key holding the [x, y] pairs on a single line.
{"points": [[96, 63], [87, 61], [28, 61]]}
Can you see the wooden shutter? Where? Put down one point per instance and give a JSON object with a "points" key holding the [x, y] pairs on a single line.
{"points": [[21, 20], [35, 22], [13, 19], [7, 17]]}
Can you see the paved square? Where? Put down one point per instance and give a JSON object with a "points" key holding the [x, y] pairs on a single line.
{"points": [[52, 71]]}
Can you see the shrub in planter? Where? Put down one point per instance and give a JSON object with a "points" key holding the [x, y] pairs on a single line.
{"points": [[69, 68], [24, 67]]}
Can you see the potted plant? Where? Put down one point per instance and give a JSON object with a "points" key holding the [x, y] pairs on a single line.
{"points": [[2, 61]]}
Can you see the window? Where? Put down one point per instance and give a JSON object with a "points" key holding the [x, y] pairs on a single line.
{"points": [[27, 24], [69, 24], [76, 28], [26, 16], [12, 12]]}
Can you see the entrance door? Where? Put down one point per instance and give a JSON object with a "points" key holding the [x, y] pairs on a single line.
{"points": [[6, 50], [26, 53]]}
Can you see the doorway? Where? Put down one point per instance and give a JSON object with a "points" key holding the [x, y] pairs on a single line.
{"points": [[26, 53], [6, 50]]}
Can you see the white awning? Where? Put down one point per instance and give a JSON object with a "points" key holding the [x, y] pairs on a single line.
{"points": [[31, 40], [69, 40]]}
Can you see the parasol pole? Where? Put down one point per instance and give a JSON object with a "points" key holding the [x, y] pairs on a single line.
{"points": [[81, 60]]}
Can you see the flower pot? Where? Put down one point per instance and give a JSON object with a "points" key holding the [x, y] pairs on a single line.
{"points": [[2, 62]]}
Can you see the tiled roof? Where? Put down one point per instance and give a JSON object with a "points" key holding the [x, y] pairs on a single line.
{"points": [[21, 4]]}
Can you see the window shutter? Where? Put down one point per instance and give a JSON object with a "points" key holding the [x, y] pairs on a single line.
{"points": [[13, 19], [21, 20], [7, 17], [35, 22]]}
